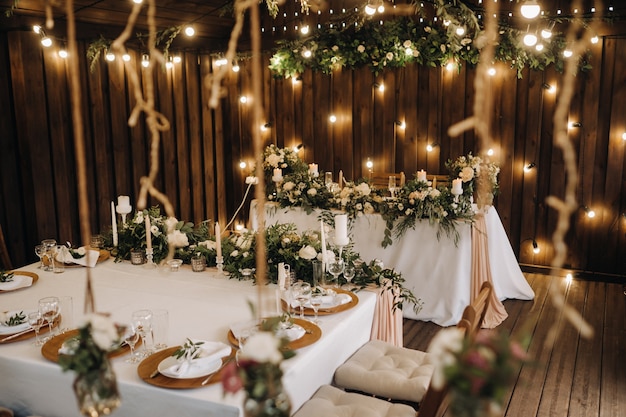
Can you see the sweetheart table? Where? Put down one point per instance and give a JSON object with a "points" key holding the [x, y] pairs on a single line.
{"points": [[436, 269], [201, 305]]}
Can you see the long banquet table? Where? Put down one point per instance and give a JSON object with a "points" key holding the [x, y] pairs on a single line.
{"points": [[436, 269], [201, 305]]}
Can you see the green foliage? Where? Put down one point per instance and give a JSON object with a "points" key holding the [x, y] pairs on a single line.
{"points": [[6, 276]]}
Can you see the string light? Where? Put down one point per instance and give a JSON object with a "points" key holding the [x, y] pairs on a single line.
{"points": [[529, 167], [490, 152], [460, 31], [571, 125], [567, 53], [137, 1], [595, 40], [304, 29], [190, 31], [530, 39], [307, 53], [401, 124], [569, 277], [450, 66], [110, 56], [332, 118], [236, 68], [624, 136], [145, 61], [243, 99], [126, 57], [37, 29], [491, 71], [297, 147], [431, 147], [536, 248], [369, 164], [589, 212], [177, 59], [539, 47], [546, 33], [62, 53]]}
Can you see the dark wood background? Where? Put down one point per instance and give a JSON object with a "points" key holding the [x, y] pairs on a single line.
{"points": [[201, 153]]}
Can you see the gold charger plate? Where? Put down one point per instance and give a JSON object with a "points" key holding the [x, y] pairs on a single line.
{"points": [[308, 311], [7, 338], [50, 349], [147, 371], [34, 276], [312, 334]]}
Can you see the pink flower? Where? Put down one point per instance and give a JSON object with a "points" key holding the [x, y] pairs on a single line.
{"points": [[518, 351], [477, 360], [231, 381]]}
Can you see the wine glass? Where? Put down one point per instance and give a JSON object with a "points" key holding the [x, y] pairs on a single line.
{"points": [[303, 294], [141, 320], [336, 268], [39, 251], [348, 273], [316, 302], [392, 185], [49, 245], [36, 321], [49, 309], [131, 337]]}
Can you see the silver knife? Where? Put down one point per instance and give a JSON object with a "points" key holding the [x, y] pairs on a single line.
{"points": [[13, 336]]}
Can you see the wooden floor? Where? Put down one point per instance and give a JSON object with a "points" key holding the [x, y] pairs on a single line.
{"points": [[573, 376]]}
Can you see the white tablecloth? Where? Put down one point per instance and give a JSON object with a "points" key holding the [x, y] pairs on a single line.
{"points": [[435, 268], [200, 305]]}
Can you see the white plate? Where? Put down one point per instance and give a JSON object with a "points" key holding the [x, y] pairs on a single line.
{"points": [[18, 281], [4, 329], [197, 369]]}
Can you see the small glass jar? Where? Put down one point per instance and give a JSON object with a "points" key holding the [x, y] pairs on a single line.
{"points": [[198, 263], [137, 257], [175, 264]]}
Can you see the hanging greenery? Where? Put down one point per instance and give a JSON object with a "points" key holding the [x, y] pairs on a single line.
{"points": [[396, 43]]}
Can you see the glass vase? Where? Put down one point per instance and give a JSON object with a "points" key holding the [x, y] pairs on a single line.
{"points": [[275, 404], [96, 392]]}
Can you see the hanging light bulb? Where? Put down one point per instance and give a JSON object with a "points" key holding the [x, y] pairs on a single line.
{"points": [[177, 59], [37, 29], [460, 31], [490, 152], [539, 47], [370, 10], [491, 71], [369, 164], [242, 164], [126, 58], [145, 61], [304, 29], [332, 118], [530, 9], [530, 39], [567, 53], [536, 247], [595, 40], [190, 31], [450, 66], [243, 99], [307, 53], [46, 41], [110, 56], [236, 67], [62, 53], [546, 33], [381, 8]]}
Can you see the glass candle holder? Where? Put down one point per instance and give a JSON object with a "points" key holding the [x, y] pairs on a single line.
{"points": [[137, 257], [175, 264], [198, 263]]}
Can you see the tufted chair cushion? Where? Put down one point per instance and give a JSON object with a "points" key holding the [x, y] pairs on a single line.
{"points": [[387, 371], [329, 401]]}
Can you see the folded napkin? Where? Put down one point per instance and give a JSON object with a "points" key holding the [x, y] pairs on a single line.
{"points": [[19, 281], [208, 353], [67, 257], [328, 301], [243, 328], [292, 333]]}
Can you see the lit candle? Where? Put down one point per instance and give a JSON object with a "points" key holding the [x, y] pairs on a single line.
{"points": [[341, 230], [323, 237], [278, 175], [123, 201], [148, 233], [421, 175], [218, 240], [402, 179], [457, 186], [313, 170], [114, 223]]}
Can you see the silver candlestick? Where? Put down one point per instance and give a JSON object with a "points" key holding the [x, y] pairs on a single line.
{"points": [[219, 260], [149, 261]]}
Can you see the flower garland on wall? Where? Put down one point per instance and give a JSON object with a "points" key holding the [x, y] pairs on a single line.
{"points": [[397, 43]]}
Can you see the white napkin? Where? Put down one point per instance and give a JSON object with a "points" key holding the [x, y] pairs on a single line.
{"points": [[68, 258], [209, 352], [295, 332], [19, 281], [249, 327], [329, 301]]}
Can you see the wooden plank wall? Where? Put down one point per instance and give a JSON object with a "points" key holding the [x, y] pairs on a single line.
{"points": [[201, 152]]}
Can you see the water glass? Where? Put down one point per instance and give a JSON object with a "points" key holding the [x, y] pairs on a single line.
{"points": [[392, 185], [142, 321], [49, 245], [160, 328], [316, 302], [49, 309], [131, 337], [336, 269], [328, 178], [96, 242], [318, 274], [36, 321], [66, 313], [58, 259], [40, 250]]}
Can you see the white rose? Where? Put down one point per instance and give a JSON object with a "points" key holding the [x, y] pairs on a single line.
{"points": [[178, 239], [209, 244], [288, 186], [138, 218], [443, 47], [154, 229], [466, 174], [407, 43], [81, 250], [389, 56], [103, 331], [171, 223], [335, 48], [312, 192], [360, 48], [435, 193], [307, 252], [234, 253], [368, 208], [442, 348], [363, 188], [273, 160], [262, 347], [427, 29]]}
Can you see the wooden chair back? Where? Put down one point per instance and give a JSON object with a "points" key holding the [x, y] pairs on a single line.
{"points": [[434, 403], [474, 314], [438, 180], [5, 259], [380, 180]]}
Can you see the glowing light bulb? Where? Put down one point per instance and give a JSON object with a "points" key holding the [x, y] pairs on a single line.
{"points": [[591, 214], [567, 53], [37, 29], [624, 136], [491, 71], [408, 51], [169, 65], [62, 53], [530, 39], [490, 152], [381, 87], [450, 66], [307, 53], [546, 33], [177, 59], [460, 31], [429, 147], [305, 29], [137, 1], [539, 47], [263, 127], [595, 40], [243, 99], [369, 164], [530, 9], [125, 57], [332, 118], [369, 10], [236, 68], [381, 9], [190, 31], [536, 248], [46, 41], [568, 278], [552, 89], [242, 164], [145, 61]]}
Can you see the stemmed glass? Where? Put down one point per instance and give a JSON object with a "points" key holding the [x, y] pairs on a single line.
{"points": [[49, 309], [302, 292], [141, 320], [36, 321], [336, 268], [49, 245], [39, 251], [392, 185], [131, 337], [348, 273], [316, 302]]}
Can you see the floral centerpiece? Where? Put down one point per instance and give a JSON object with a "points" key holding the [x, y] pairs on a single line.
{"points": [[358, 198], [285, 159], [418, 200], [164, 231], [477, 373], [95, 385], [302, 190], [259, 373], [476, 174]]}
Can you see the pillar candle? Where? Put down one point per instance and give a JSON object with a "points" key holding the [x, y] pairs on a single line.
{"points": [[313, 169], [402, 179], [123, 201], [341, 230], [148, 233], [323, 238], [218, 240], [457, 186], [421, 175], [278, 175], [114, 223], [340, 179]]}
